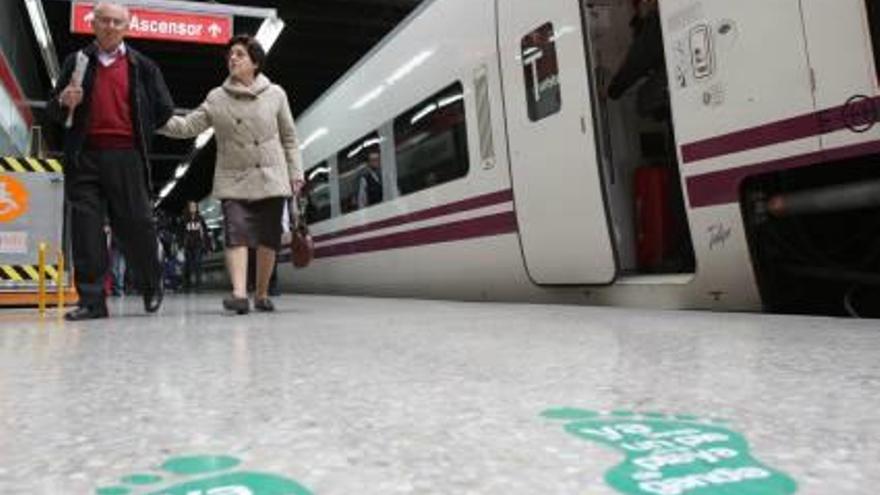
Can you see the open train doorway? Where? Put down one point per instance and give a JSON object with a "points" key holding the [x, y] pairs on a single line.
{"points": [[635, 138]]}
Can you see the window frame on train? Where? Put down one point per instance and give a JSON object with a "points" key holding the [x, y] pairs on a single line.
{"points": [[310, 191], [443, 104], [354, 159]]}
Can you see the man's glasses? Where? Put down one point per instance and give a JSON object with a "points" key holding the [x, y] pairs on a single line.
{"points": [[113, 22]]}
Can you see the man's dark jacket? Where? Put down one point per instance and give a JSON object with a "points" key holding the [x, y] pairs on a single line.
{"points": [[151, 103]]}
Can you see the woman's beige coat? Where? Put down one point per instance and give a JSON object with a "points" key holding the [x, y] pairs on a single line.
{"points": [[257, 149]]}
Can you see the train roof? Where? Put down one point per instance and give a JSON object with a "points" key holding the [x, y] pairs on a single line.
{"points": [[418, 11]]}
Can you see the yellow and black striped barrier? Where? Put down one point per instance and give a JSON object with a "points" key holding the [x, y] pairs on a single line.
{"points": [[13, 164], [26, 273], [31, 232]]}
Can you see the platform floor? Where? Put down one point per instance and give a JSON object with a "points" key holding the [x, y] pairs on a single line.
{"points": [[345, 396]]}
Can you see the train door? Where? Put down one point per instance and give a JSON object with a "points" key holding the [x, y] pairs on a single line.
{"points": [[557, 182], [844, 68]]}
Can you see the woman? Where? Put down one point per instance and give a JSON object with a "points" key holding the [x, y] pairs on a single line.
{"points": [[258, 164]]}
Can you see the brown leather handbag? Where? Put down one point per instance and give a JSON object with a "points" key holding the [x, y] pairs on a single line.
{"points": [[302, 246]]}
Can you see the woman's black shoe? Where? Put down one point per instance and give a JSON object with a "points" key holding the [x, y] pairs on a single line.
{"points": [[239, 305], [264, 305]]}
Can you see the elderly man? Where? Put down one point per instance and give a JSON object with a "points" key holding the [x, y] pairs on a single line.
{"points": [[115, 107]]}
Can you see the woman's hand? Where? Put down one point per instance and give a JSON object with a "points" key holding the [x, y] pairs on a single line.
{"points": [[297, 185]]}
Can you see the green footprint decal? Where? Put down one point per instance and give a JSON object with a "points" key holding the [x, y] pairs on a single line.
{"points": [[675, 455], [213, 479]]}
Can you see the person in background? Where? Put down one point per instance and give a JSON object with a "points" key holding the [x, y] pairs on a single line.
{"points": [[370, 183], [117, 266], [195, 243]]}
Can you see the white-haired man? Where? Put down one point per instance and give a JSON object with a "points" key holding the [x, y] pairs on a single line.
{"points": [[119, 103]]}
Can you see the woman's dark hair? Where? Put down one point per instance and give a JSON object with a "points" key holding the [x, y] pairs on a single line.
{"points": [[252, 46]]}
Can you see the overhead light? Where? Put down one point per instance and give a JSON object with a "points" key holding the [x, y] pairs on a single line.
{"points": [[396, 76], [40, 31], [450, 100], [167, 189], [204, 137], [409, 66], [318, 134], [366, 144], [269, 31], [372, 95], [428, 110], [372, 142], [318, 171], [355, 151], [181, 170], [44, 38]]}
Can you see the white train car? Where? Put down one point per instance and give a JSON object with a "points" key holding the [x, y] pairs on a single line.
{"points": [[503, 171]]}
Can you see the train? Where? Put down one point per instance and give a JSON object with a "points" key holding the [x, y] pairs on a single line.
{"points": [[478, 153]]}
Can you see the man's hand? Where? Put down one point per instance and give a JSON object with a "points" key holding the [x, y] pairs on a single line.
{"points": [[72, 96]]}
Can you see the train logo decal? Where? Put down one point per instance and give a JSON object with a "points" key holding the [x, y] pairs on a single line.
{"points": [[860, 113], [541, 72]]}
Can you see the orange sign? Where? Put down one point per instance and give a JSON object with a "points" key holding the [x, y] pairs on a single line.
{"points": [[13, 198], [158, 24]]}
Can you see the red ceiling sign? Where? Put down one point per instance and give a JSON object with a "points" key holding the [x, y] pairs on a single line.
{"points": [[156, 24]]}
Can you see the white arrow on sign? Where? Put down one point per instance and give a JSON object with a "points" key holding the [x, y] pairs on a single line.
{"points": [[214, 29]]}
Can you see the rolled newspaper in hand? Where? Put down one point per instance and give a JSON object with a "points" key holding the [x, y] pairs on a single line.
{"points": [[76, 79]]}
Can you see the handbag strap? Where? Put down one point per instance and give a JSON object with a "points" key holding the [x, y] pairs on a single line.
{"points": [[296, 208]]}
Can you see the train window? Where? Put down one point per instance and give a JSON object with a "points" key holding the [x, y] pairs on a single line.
{"points": [[318, 193], [360, 174], [541, 71], [430, 141]]}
